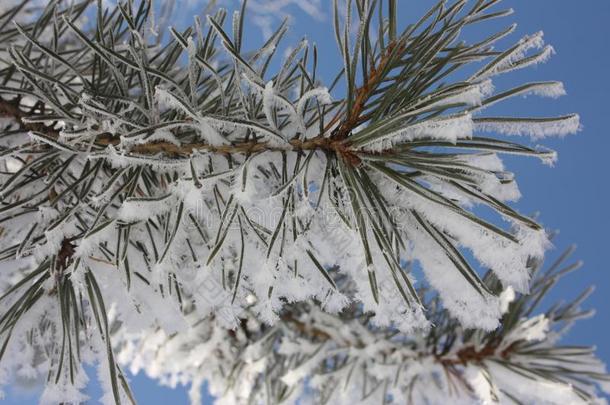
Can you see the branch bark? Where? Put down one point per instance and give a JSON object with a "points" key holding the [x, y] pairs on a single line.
{"points": [[335, 144]]}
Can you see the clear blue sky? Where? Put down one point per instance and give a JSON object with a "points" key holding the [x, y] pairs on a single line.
{"points": [[572, 197]]}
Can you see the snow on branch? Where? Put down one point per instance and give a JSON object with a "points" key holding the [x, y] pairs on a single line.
{"points": [[191, 207]]}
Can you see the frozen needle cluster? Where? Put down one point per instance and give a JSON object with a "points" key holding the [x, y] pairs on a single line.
{"points": [[166, 204]]}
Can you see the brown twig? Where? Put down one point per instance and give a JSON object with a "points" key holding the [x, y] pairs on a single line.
{"points": [[355, 117], [464, 356], [316, 143], [10, 109], [335, 144]]}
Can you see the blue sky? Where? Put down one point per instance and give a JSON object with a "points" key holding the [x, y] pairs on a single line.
{"points": [[573, 197]]}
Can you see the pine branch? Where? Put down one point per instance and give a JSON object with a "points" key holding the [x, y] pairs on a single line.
{"points": [[334, 144], [136, 173], [333, 356], [317, 143]]}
